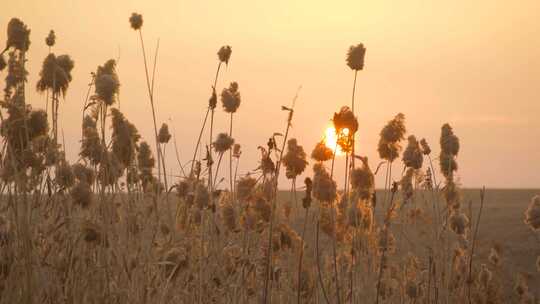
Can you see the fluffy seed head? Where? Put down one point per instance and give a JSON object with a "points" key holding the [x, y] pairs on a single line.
{"points": [[164, 136], [228, 215], [223, 142], [363, 180], [136, 21], [321, 152], [425, 146], [448, 164], [18, 35], [230, 98], [224, 54], [345, 119], [38, 124], [107, 83], [55, 74], [83, 173], [324, 187], [412, 156], [124, 138], [64, 175], [394, 131], [449, 141], [532, 214], [355, 57], [51, 39], [295, 159]]}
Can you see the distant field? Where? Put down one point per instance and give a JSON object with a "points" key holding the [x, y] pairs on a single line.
{"points": [[501, 223]]}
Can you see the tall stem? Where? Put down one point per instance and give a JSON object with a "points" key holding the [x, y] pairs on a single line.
{"points": [[151, 96], [352, 109], [230, 159]]}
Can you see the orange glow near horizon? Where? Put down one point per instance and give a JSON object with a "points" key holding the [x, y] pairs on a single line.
{"points": [[330, 139]]}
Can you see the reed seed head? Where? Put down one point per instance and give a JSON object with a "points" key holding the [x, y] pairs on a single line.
{"points": [[136, 21], [295, 159], [223, 142], [426, 150], [50, 40], [324, 187], [224, 54], [355, 57], [81, 194], [18, 35], [321, 152], [230, 98], [164, 136], [55, 74], [413, 156]]}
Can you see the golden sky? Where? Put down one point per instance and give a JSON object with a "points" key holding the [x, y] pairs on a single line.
{"points": [[474, 64]]}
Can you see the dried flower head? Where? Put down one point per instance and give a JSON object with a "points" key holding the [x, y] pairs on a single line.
{"points": [[406, 184], [448, 164], [321, 152], [164, 136], [449, 141], [38, 124], [124, 138], [295, 159], [55, 74], [81, 194], [425, 146], [363, 180], [107, 83], [202, 196], [18, 35], [212, 101], [345, 119], [50, 40], [355, 57], [324, 187], [412, 156], [91, 145], [230, 98], [223, 142], [224, 54], [136, 21], [532, 214], [390, 137]]}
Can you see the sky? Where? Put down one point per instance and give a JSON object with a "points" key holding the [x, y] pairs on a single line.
{"points": [[473, 64]]}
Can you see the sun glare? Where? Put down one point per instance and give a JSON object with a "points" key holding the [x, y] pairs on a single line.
{"points": [[330, 139]]}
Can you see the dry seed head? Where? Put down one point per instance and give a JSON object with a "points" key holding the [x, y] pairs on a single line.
{"points": [[107, 83], [263, 208], [449, 141], [363, 180], [532, 214], [38, 124], [324, 187], [202, 197], [295, 159], [425, 146], [237, 150], [83, 173], [136, 21], [355, 57], [55, 74], [412, 156], [223, 142], [224, 54], [18, 35], [51, 39], [124, 138], [345, 119], [394, 131], [164, 136], [230, 98], [321, 152]]}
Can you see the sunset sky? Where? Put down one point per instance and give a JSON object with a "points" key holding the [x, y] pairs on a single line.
{"points": [[473, 64]]}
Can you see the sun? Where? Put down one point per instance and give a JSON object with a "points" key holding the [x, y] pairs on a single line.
{"points": [[330, 139]]}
